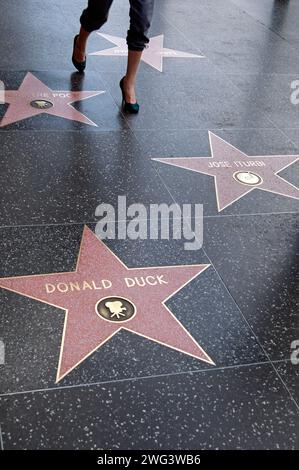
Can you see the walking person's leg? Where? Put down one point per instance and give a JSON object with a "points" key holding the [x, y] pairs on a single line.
{"points": [[92, 18], [141, 12]]}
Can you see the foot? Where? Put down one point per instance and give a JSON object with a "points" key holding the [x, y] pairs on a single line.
{"points": [[129, 91], [79, 51]]}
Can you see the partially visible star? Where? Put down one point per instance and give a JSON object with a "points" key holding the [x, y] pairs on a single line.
{"points": [[153, 54], [34, 98], [237, 174], [101, 278]]}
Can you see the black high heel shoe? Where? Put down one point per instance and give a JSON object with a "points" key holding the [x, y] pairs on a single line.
{"points": [[131, 108], [80, 66]]}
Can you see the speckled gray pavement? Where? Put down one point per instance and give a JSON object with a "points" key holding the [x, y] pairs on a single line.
{"points": [[133, 392]]}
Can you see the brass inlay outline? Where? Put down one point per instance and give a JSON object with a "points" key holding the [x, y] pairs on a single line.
{"points": [[60, 377], [215, 177]]}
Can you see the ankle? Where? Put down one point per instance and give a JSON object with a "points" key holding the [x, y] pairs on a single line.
{"points": [[80, 47], [129, 82]]}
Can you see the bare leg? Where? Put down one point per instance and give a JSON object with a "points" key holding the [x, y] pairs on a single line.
{"points": [[80, 49], [134, 58]]}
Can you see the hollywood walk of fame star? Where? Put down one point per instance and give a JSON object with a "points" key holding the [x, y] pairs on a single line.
{"points": [[237, 174], [34, 97], [153, 54], [103, 296]]}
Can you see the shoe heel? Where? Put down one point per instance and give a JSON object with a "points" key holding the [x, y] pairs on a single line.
{"points": [[129, 108]]}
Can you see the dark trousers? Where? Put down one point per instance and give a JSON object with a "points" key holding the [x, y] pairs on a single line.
{"points": [[141, 11]]}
